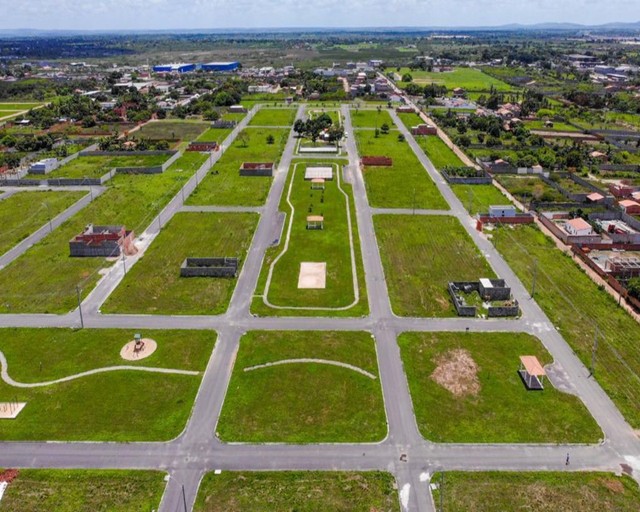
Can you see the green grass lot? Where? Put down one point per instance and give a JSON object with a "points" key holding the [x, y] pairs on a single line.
{"points": [[576, 305], [571, 186], [25, 212], [333, 114], [97, 166], [159, 130], [18, 106], [478, 198], [539, 491], [112, 406], [273, 117], [228, 187], [467, 78], [44, 278], [438, 152], [405, 184], [330, 245], [302, 491], [502, 411], [154, 285], [272, 404], [84, 491], [371, 118], [233, 116], [557, 126], [421, 254], [215, 135], [526, 188], [8, 113]]}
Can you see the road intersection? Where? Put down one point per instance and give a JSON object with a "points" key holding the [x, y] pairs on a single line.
{"points": [[404, 452]]}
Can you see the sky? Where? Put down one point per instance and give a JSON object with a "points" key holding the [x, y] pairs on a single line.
{"points": [[209, 14]]}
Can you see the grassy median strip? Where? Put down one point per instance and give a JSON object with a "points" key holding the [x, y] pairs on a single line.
{"points": [[466, 389], [582, 311], [488, 491], [44, 279], [25, 212], [330, 245], [421, 254], [225, 186], [272, 404], [405, 184], [154, 285], [123, 405], [302, 491], [35, 490]]}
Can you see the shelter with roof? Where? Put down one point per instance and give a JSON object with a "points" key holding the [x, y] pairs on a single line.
{"points": [[315, 222], [317, 184], [532, 373]]}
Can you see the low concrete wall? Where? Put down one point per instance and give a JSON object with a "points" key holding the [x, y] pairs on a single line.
{"points": [[462, 180], [87, 152], [462, 310], [209, 267]]}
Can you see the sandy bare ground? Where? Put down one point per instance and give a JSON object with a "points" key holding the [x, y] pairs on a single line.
{"points": [[457, 372]]}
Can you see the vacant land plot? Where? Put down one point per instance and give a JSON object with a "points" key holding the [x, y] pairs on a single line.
{"points": [[225, 186], [581, 311], [271, 403], [302, 491], [466, 389], [438, 152], [478, 198], [330, 245], [233, 116], [171, 130], [96, 166], [528, 188], [154, 285], [25, 212], [556, 126], [215, 135], [123, 405], [421, 254], [18, 106], [44, 279], [83, 491], [371, 118], [273, 117], [539, 491], [405, 184], [467, 78], [333, 114]]}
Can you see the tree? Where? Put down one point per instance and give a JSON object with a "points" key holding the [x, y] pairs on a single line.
{"points": [[406, 78], [243, 138], [384, 128], [270, 139], [376, 134], [634, 287]]}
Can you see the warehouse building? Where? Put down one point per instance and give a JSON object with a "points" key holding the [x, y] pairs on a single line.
{"points": [[220, 66], [174, 68]]}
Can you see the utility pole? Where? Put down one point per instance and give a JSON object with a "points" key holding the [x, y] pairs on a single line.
{"points": [[124, 263], [48, 216], [441, 492], [414, 200], [535, 274], [594, 351], [80, 307]]}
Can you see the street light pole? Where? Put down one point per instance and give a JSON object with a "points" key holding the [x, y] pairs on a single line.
{"points": [[535, 273], [48, 215], [80, 307]]}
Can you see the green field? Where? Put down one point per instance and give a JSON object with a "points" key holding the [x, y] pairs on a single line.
{"points": [[154, 285], [478, 198], [527, 188], [233, 116], [97, 166], [578, 307], [467, 78], [25, 212], [539, 491], [405, 184], [371, 118], [557, 126], [330, 245], [438, 152], [111, 406], [273, 404], [35, 490], [18, 106], [420, 255], [299, 491], [491, 404], [171, 130], [335, 115], [273, 117], [215, 135], [225, 186], [44, 278]]}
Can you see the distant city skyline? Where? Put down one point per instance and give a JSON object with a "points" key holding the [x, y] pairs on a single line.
{"points": [[211, 14]]}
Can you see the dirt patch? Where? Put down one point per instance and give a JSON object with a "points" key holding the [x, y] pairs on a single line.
{"points": [[457, 372], [613, 485]]}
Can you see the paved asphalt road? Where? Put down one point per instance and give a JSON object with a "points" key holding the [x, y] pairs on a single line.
{"points": [[404, 452]]}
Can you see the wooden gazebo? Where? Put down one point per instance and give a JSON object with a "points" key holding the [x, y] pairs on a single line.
{"points": [[532, 372], [315, 222]]}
